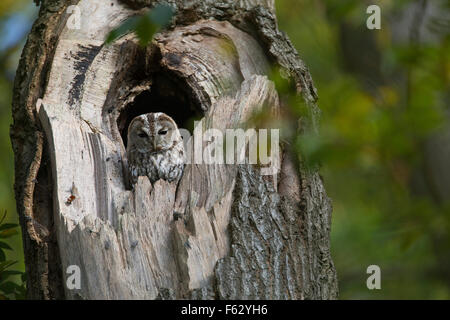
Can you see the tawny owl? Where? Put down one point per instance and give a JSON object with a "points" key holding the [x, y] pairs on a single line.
{"points": [[155, 148]]}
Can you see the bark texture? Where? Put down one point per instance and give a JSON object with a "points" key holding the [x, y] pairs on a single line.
{"points": [[236, 234]]}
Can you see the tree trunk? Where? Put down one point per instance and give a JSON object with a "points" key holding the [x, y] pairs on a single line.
{"points": [[237, 233]]}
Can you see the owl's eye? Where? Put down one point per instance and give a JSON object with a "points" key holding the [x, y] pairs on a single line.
{"points": [[162, 132], [142, 135]]}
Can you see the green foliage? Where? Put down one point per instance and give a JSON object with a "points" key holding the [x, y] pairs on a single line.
{"points": [[145, 26], [371, 147], [9, 289]]}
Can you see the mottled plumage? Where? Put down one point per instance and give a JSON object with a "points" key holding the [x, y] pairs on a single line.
{"points": [[155, 148]]}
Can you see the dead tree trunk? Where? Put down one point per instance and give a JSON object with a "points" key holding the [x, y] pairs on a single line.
{"points": [[241, 234]]}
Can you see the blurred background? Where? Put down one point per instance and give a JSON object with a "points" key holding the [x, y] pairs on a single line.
{"points": [[384, 147], [16, 18]]}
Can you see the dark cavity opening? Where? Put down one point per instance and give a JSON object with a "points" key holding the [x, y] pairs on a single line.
{"points": [[166, 95]]}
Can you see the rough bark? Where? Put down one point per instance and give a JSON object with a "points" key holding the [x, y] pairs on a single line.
{"points": [[237, 234]]}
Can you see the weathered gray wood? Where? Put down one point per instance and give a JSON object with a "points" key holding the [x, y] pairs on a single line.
{"points": [[240, 234]]}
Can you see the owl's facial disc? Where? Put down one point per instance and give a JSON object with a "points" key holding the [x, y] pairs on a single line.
{"points": [[152, 132], [163, 136]]}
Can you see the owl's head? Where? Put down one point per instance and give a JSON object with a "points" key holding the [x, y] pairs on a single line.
{"points": [[152, 132]]}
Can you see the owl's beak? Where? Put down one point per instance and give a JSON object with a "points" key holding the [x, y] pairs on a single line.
{"points": [[156, 147]]}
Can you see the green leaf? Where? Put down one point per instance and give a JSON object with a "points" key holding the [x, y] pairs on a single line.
{"points": [[2, 258], [8, 233], [145, 26], [4, 276], [21, 293], [8, 287], [145, 30], [161, 14], [3, 217], [6, 264], [12, 273], [127, 26], [8, 226], [4, 245]]}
